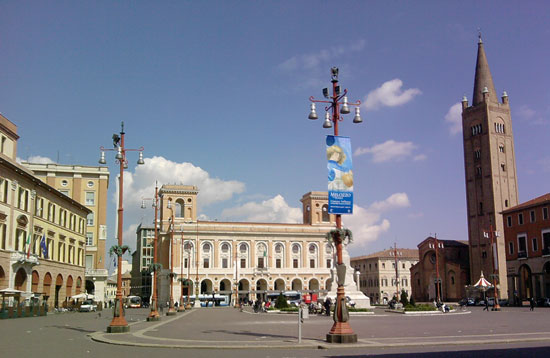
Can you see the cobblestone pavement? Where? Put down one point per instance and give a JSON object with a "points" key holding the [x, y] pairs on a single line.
{"points": [[204, 331]]}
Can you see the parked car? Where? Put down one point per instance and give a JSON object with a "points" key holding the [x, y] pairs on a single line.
{"points": [[543, 302], [88, 306], [467, 302]]}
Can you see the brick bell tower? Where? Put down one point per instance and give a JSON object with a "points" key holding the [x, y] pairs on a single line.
{"points": [[490, 169]]}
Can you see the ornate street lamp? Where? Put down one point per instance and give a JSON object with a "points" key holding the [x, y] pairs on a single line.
{"points": [[155, 267], [181, 306], [494, 255], [171, 310], [119, 324], [338, 104]]}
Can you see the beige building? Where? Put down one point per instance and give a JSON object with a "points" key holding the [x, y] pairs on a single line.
{"points": [[261, 257], [42, 231], [377, 274], [490, 170], [87, 185], [142, 258]]}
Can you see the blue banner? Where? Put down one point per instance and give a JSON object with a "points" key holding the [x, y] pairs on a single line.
{"points": [[340, 175]]}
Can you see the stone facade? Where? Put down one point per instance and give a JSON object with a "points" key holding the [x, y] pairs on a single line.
{"points": [[87, 185], [377, 273], [42, 231], [454, 270], [527, 237], [490, 169], [260, 257]]}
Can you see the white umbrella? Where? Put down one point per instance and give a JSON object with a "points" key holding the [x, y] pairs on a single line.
{"points": [[80, 295]]}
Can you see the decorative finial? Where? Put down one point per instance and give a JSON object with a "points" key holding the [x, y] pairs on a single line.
{"points": [[464, 98], [504, 94], [479, 35], [485, 90]]}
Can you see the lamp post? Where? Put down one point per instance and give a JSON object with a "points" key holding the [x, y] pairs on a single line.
{"points": [[154, 314], [341, 331], [494, 255], [396, 271], [119, 324], [171, 310], [197, 300], [436, 246], [237, 301], [188, 251], [181, 306]]}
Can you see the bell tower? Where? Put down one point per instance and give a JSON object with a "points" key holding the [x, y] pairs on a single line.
{"points": [[490, 171], [315, 208]]}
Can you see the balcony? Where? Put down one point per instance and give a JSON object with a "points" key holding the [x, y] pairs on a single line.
{"points": [[522, 255]]}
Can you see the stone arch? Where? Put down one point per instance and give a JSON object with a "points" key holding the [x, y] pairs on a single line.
{"points": [[47, 284], [78, 285], [297, 284], [179, 210], [206, 286], [328, 284], [313, 284], [21, 280], [261, 288], [225, 285], [325, 215], [525, 282], [35, 281], [3, 281], [279, 285], [90, 287], [69, 286]]}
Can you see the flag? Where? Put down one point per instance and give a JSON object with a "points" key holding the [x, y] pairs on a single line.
{"points": [[114, 260], [43, 246], [28, 244]]}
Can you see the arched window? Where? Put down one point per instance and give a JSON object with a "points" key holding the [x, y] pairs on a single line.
{"points": [[206, 255], [279, 255], [225, 255], [189, 257], [261, 255], [296, 257], [243, 255], [325, 216], [312, 256]]}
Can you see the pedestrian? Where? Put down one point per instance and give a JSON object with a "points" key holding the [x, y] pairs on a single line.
{"points": [[532, 304], [486, 308], [327, 306]]}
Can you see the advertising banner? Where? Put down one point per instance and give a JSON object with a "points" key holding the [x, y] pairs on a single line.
{"points": [[340, 175]]}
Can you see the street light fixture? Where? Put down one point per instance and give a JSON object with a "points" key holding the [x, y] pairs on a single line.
{"points": [[341, 331], [494, 255], [119, 324], [171, 310], [154, 315]]}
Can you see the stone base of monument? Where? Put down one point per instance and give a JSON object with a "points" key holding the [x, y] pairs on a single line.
{"points": [[341, 338]]}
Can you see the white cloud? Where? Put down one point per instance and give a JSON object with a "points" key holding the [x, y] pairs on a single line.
{"points": [[367, 224], [274, 210], [390, 94], [391, 150], [141, 184], [454, 118], [36, 159], [528, 114], [313, 61]]}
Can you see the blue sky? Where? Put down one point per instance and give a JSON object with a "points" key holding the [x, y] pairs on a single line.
{"points": [[217, 93]]}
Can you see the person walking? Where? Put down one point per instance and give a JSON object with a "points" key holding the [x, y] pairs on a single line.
{"points": [[327, 306], [532, 304], [486, 308]]}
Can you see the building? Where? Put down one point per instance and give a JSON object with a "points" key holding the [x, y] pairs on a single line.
{"points": [[450, 263], [260, 257], [490, 170], [88, 186], [527, 237], [378, 272], [142, 258], [42, 231]]}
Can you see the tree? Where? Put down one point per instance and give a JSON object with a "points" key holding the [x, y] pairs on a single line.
{"points": [[412, 301], [281, 302], [404, 298]]}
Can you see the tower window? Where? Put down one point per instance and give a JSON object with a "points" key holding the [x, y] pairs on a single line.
{"points": [[478, 171], [501, 148], [506, 203], [503, 167], [499, 127], [476, 129], [480, 208], [477, 154]]}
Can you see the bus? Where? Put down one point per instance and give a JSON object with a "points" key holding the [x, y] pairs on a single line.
{"points": [[209, 300], [292, 297], [133, 302]]}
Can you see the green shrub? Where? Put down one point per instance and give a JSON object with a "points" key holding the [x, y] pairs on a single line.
{"points": [[404, 298], [351, 309], [412, 302], [289, 309], [410, 308], [281, 302]]}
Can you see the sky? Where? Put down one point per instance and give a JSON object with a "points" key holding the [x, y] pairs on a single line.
{"points": [[217, 92]]}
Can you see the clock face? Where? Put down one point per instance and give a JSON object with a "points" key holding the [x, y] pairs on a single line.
{"points": [[432, 259]]}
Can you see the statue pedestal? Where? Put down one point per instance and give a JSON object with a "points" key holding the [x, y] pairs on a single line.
{"points": [[350, 286]]}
